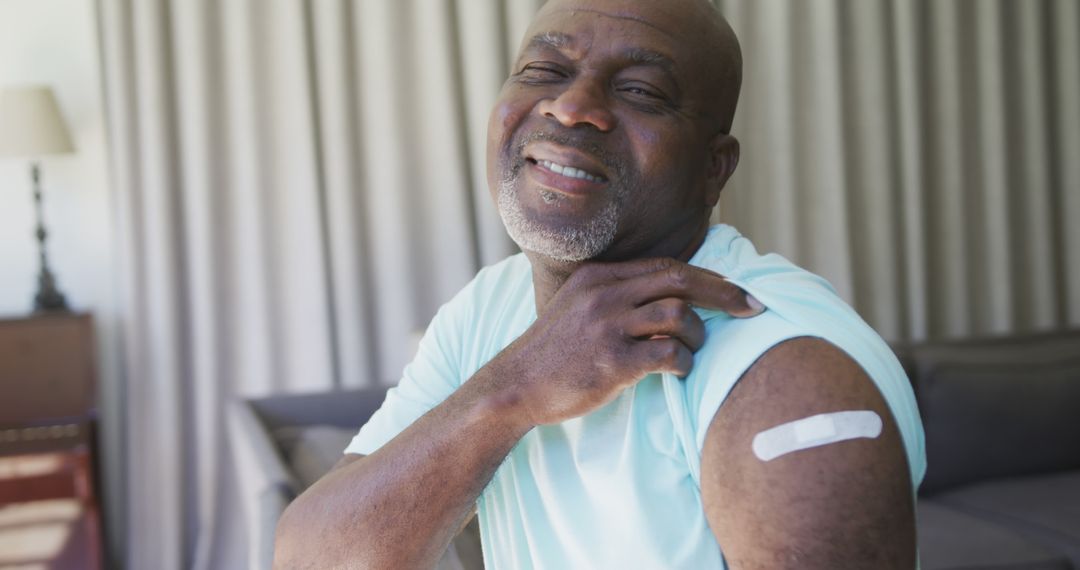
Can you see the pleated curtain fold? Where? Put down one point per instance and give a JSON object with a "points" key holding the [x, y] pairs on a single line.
{"points": [[919, 154], [300, 184]]}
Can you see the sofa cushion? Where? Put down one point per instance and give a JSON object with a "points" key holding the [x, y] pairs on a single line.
{"points": [[311, 451], [1044, 508], [952, 540], [998, 409]]}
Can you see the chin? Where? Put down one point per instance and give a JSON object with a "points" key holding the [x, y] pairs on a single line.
{"points": [[557, 246], [567, 242]]}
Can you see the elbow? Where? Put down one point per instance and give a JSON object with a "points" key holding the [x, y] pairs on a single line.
{"points": [[286, 539], [308, 535], [296, 540]]}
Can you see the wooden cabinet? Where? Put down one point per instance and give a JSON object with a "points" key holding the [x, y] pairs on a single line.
{"points": [[46, 369], [48, 416]]}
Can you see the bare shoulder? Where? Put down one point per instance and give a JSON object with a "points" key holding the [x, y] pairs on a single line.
{"points": [[847, 504]]}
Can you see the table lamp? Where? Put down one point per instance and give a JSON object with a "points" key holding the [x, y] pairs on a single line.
{"points": [[31, 126]]}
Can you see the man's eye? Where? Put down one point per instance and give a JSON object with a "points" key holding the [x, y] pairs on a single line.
{"points": [[542, 71], [640, 91]]}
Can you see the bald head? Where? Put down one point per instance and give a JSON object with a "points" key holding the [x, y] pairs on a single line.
{"points": [[699, 24], [726, 73]]}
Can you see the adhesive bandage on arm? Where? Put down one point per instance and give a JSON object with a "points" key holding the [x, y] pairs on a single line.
{"points": [[815, 431]]}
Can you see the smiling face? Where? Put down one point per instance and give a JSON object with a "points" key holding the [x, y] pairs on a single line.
{"points": [[608, 141]]}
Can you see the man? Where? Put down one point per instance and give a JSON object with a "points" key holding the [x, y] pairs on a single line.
{"points": [[600, 401]]}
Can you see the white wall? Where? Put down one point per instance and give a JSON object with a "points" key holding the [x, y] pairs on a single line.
{"points": [[55, 42]]}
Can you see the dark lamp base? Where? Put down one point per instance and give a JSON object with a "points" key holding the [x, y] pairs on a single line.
{"points": [[49, 298]]}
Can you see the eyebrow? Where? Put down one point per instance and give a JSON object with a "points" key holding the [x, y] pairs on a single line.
{"points": [[644, 56], [641, 56], [556, 40]]}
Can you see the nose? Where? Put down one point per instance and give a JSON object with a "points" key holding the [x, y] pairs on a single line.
{"points": [[583, 103]]}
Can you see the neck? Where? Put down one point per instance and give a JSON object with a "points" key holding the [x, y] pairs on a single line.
{"points": [[549, 274]]}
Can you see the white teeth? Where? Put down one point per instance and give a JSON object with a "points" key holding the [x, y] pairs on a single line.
{"points": [[569, 171]]}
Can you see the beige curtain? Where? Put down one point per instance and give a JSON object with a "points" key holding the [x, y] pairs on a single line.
{"points": [[920, 154], [300, 184]]}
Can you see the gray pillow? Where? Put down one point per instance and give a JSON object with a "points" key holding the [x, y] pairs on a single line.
{"points": [[311, 451], [994, 419]]}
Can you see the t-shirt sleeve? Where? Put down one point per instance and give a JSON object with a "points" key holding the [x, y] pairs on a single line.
{"points": [[429, 379], [799, 304], [739, 343]]}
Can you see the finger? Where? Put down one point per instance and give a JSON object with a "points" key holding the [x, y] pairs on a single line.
{"points": [[668, 317], [663, 355], [694, 285]]}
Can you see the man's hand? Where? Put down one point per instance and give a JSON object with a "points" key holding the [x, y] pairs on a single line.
{"points": [[607, 327]]}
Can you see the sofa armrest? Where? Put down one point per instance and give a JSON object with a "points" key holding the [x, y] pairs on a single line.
{"points": [[344, 409], [266, 487]]}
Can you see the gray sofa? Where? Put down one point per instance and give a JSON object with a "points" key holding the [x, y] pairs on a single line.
{"points": [[283, 444], [1002, 420]]}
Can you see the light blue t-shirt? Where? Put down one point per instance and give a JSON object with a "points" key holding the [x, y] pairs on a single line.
{"points": [[619, 487]]}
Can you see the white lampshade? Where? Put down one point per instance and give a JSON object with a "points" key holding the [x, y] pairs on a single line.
{"points": [[31, 124]]}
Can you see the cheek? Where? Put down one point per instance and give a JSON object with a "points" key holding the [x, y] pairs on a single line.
{"points": [[671, 168], [509, 111], [507, 114], [663, 157]]}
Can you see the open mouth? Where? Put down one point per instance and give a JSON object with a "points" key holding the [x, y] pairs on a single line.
{"points": [[567, 171]]}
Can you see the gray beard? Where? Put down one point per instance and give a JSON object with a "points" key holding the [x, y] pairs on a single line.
{"points": [[578, 243]]}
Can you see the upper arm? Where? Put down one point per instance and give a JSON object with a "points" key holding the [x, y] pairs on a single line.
{"points": [[843, 505]]}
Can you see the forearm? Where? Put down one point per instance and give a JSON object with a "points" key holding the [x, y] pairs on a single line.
{"points": [[400, 506]]}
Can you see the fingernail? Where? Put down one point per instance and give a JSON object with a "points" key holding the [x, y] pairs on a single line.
{"points": [[754, 304]]}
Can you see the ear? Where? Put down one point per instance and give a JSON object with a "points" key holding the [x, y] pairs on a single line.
{"points": [[723, 158]]}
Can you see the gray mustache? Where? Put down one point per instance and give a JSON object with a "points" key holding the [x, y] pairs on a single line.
{"points": [[580, 143]]}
